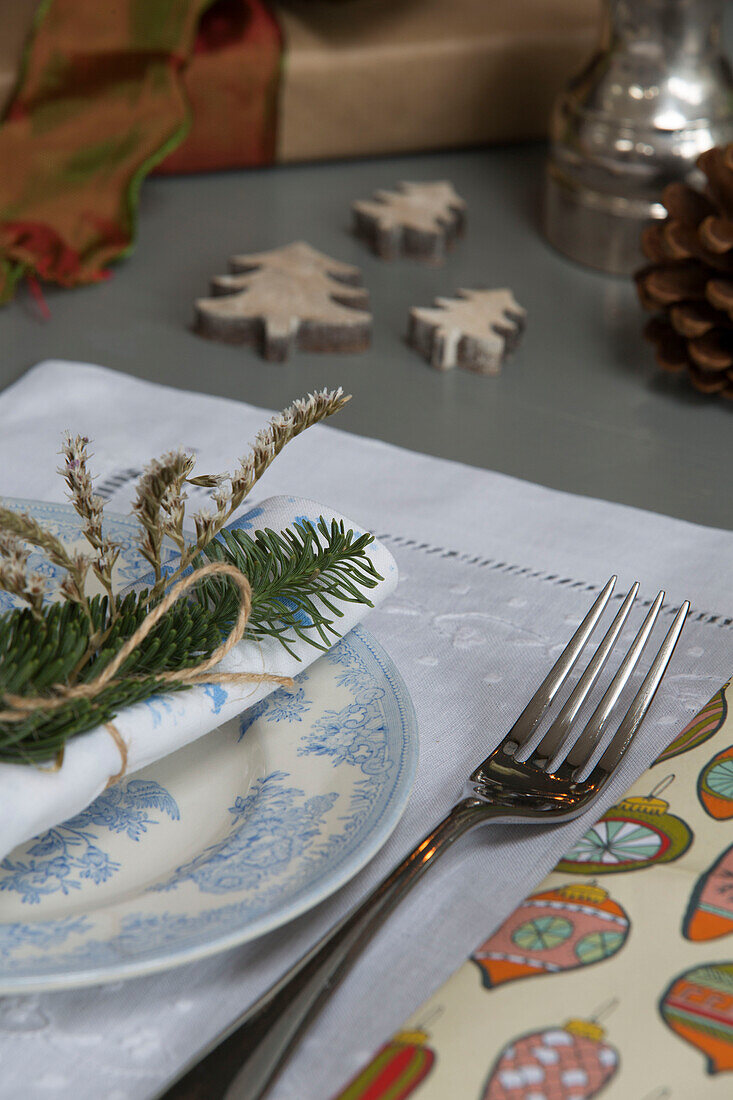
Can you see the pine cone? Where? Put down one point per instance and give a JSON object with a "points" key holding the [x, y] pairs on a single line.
{"points": [[689, 283]]}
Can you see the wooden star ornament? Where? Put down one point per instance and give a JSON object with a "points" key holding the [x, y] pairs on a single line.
{"points": [[421, 220], [475, 330], [290, 295]]}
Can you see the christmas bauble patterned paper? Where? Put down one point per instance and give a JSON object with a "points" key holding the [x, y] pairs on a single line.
{"points": [[715, 785], [660, 931], [702, 727], [574, 925], [710, 912], [563, 1063], [635, 833], [698, 1006], [395, 1071]]}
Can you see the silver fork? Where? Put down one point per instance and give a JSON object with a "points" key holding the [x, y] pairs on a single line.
{"points": [[504, 789]]}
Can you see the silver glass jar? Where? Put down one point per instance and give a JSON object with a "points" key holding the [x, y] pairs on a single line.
{"points": [[657, 93]]}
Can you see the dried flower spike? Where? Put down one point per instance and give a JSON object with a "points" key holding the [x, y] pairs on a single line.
{"points": [[14, 575], [160, 501], [76, 566], [89, 506], [159, 504]]}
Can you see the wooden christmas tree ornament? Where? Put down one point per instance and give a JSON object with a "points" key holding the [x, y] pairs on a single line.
{"points": [[476, 330], [290, 295], [421, 220]]}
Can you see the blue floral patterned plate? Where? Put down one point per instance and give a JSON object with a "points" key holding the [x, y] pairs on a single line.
{"points": [[223, 841]]}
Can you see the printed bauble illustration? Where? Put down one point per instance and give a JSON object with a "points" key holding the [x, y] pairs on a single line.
{"points": [[710, 910], [702, 727], [395, 1071], [698, 1006], [574, 925], [566, 1063], [637, 832], [715, 785]]}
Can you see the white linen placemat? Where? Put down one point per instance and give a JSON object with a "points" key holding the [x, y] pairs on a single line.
{"points": [[494, 573]]}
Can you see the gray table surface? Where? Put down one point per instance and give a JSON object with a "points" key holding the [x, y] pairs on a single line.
{"points": [[580, 405]]}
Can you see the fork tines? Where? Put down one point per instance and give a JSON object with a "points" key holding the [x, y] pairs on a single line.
{"points": [[558, 737]]}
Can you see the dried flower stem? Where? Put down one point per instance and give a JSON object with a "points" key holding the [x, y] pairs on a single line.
{"points": [[76, 566], [159, 505], [14, 575], [90, 507], [160, 489]]}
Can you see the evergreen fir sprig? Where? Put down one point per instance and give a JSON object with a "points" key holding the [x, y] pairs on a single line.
{"points": [[298, 578], [295, 575]]}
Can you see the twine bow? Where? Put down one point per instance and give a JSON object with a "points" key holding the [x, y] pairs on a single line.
{"points": [[21, 706]]}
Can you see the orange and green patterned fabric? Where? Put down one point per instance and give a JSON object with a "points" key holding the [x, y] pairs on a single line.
{"points": [[107, 92]]}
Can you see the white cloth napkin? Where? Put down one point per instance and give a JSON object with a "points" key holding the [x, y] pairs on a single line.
{"points": [[494, 573], [34, 799]]}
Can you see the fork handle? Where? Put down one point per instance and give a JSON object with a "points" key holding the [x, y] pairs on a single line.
{"points": [[255, 1046]]}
